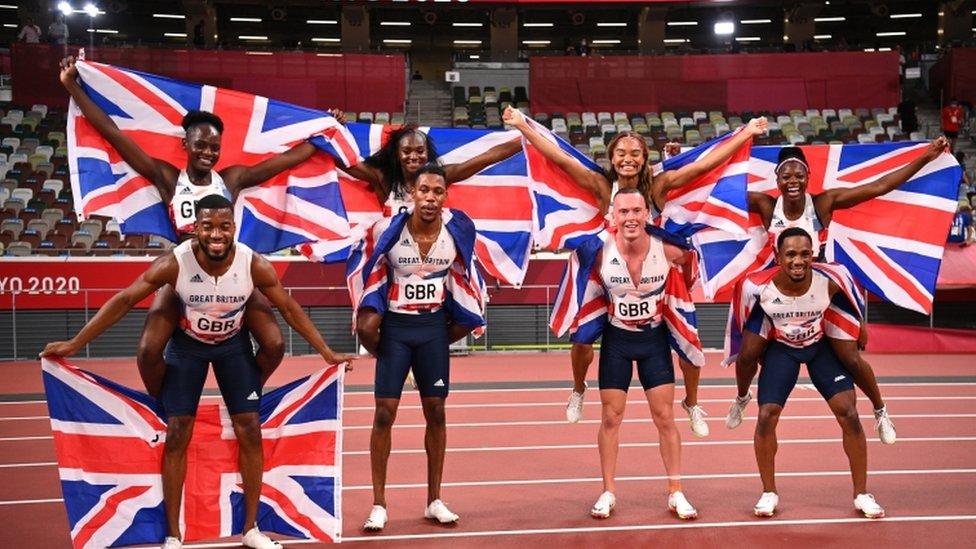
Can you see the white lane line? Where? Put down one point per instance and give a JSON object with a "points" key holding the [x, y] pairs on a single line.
{"points": [[670, 526], [562, 403], [650, 445], [640, 420], [713, 476], [520, 482]]}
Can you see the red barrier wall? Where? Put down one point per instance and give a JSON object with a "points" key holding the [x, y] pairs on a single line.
{"points": [[352, 82], [778, 81], [954, 75]]}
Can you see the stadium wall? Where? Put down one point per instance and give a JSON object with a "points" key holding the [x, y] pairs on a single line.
{"points": [[351, 81], [733, 82]]}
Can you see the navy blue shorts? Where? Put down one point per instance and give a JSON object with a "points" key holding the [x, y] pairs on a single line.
{"points": [[620, 348], [187, 361], [418, 341], [781, 368]]}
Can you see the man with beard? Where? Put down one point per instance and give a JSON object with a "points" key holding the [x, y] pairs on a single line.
{"points": [[790, 306], [213, 277]]}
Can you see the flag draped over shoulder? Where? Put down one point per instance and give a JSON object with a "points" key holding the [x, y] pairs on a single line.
{"points": [[581, 305], [109, 442], [368, 270], [299, 205], [892, 244], [842, 320]]}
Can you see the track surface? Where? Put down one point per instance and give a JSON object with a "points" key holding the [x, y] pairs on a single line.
{"points": [[518, 474]]}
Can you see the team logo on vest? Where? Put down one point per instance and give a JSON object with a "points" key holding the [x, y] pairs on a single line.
{"points": [[186, 190], [777, 301], [779, 223], [196, 278], [405, 242], [614, 261]]}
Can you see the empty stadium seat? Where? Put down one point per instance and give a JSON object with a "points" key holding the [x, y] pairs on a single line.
{"points": [[18, 248]]}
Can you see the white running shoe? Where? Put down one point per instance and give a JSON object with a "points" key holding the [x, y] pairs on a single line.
{"points": [[679, 504], [865, 503], [256, 540], [604, 504], [766, 507], [439, 512], [738, 408], [376, 520], [172, 543], [885, 427], [696, 417], [574, 409]]}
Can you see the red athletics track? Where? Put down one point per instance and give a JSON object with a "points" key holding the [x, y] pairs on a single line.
{"points": [[517, 473]]}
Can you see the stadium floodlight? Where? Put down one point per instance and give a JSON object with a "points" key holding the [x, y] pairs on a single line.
{"points": [[724, 27], [91, 9], [65, 8]]}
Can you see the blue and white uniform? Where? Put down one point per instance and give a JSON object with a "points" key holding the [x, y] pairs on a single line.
{"points": [[797, 336], [211, 332], [634, 331], [414, 331], [182, 208]]}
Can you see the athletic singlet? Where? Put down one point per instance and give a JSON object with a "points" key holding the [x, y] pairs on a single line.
{"points": [[797, 321], [395, 206], [212, 307], [808, 221], [417, 282], [185, 197], [634, 308]]}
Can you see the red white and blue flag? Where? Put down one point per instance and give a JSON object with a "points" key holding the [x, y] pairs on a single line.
{"points": [[893, 244], [296, 206], [841, 320], [581, 307], [717, 199], [368, 269], [109, 441]]}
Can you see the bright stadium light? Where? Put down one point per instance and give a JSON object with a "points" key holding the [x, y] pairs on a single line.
{"points": [[724, 27], [91, 9], [65, 8]]}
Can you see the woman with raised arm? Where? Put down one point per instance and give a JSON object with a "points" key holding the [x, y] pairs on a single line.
{"points": [[629, 168], [181, 189], [795, 207]]}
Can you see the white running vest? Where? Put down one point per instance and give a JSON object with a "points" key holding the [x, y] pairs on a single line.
{"points": [[186, 196], [417, 282], [808, 221], [213, 308], [798, 320], [634, 307], [395, 206]]}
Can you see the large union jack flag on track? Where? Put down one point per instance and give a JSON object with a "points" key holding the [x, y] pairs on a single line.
{"points": [[109, 441], [893, 244], [296, 206]]}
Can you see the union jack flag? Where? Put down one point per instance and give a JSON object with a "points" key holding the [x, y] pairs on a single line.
{"points": [[109, 441], [893, 245], [498, 199], [581, 306], [368, 271], [717, 199], [296, 206], [841, 320]]}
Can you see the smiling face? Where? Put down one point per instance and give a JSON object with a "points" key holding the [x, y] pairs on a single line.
{"points": [[202, 145], [412, 152], [795, 257], [630, 215], [627, 157], [791, 179], [429, 193], [215, 232]]}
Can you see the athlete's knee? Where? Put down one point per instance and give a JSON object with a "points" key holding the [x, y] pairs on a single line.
{"points": [[849, 419], [611, 419], [247, 429], [179, 430], [435, 413], [272, 344], [767, 419], [663, 416], [582, 353], [384, 417]]}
